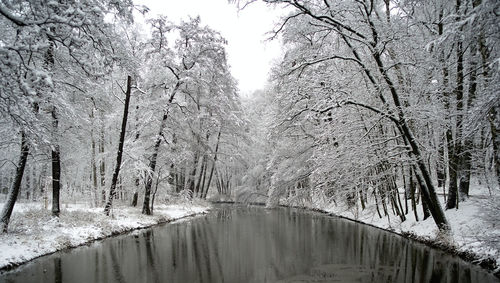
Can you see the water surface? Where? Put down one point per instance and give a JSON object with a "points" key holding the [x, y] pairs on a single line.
{"points": [[253, 244]]}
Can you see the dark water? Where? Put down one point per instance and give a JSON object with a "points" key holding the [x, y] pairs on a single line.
{"points": [[253, 244]]}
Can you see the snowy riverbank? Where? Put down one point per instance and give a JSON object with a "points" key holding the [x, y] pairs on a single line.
{"points": [[475, 227], [33, 232]]}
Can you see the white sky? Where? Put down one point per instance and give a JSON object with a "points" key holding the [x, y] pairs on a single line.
{"points": [[249, 54]]}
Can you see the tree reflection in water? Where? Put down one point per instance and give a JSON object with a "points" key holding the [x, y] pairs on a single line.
{"points": [[253, 244]]}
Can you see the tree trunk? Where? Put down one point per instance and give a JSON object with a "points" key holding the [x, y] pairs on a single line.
{"points": [[466, 162], [16, 185], [56, 167], [213, 165], [406, 188], [156, 190], [203, 181], [200, 175], [453, 172], [421, 184], [146, 208], [192, 175], [398, 199], [102, 163], [413, 189], [152, 162], [428, 190], [494, 119], [440, 168], [361, 199], [376, 203], [93, 164], [134, 199], [112, 189], [425, 210], [455, 151]]}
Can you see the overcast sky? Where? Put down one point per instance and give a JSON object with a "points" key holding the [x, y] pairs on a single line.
{"points": [[249, 54]]}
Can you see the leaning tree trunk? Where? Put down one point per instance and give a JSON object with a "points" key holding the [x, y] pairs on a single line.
{"points": [[112, 189], [16, 185], [146, 209], [428, 190]]}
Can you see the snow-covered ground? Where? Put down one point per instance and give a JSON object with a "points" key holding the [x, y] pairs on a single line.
{"points": [[33, 232], [475, 226]]}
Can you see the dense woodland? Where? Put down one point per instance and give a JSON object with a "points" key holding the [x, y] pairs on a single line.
{"points": [[374, 102], [385, 102]]}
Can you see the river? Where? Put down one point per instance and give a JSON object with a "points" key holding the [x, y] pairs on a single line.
{"points": [[236, 243]]}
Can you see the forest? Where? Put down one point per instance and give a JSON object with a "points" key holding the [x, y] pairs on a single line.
{"points": [[386, 104], [80, 80]]}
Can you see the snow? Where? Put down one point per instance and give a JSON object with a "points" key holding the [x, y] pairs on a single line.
{"points": [[34, 232], [475, 225]]}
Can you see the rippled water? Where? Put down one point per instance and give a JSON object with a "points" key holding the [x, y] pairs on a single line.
{"points": [[253, 244]]}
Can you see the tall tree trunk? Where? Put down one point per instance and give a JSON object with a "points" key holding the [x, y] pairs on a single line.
{"points": [[203, 181], [213, 165], [494, 119], [468, 146], [200, 176], [56, 167], [135, 196], [398, 204], [455, 151], [423, 177], [453, 171], [441, 168], [55, 152], [425, 210], [112, 189], [428, 191], [16, 185], [376, 203], [421, 184], [153, 196], [93, 164], [146, 209], [102, 163], [192, 174], [217, 182], [494, 113], [413, 189]]}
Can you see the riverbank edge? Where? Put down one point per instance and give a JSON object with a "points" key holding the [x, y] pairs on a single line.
{"points": [[115, 233], [487, 263]]}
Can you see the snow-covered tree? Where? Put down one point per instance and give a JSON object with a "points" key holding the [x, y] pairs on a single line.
{"points": [[45, 44]]}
